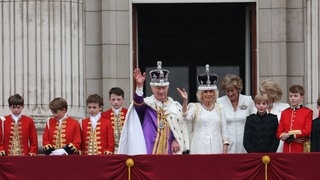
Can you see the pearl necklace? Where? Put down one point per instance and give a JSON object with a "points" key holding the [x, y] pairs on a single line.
{"points": [[208, 108]]}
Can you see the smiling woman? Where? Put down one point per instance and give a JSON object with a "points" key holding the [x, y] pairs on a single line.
{"points": [[207, 126], [236, 108]]}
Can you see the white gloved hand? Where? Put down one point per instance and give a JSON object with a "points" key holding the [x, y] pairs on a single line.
{"points": [[59, 152]]}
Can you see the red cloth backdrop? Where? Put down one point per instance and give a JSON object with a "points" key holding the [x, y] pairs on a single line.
{"points": [[230, 166]]}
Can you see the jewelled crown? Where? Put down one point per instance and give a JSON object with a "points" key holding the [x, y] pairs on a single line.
{"points": [[159, 76], [207, 80]]}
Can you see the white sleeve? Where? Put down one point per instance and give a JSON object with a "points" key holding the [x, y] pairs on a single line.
{"points": [[139, 91], [192, 109]]}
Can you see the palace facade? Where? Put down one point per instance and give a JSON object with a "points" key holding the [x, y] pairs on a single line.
{"points": [[73, 48]]}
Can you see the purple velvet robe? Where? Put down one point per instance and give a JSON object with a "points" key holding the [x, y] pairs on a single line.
{"points": [[148, 118]]}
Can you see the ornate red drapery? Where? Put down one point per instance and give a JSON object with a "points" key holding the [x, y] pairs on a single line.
{"points": [[222, 166]]}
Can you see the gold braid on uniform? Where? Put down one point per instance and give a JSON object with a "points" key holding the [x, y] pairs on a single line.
{"points": [[161, 143], [92, 143], [117, 122], [16, 148]]}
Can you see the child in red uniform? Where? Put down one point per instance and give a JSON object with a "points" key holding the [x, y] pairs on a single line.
{"points": [[116, 114], [61, 135], [18, 132], [96, 132], [295, 122]]}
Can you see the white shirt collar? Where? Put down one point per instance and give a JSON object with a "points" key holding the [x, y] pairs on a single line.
{"points": [[116, 111], [94, 120], [16, 118]]}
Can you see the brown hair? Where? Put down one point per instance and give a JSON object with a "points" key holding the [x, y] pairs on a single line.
{"points": [[117, 91], [58, 104], [95, 98], [296, 88], [15, 100]]}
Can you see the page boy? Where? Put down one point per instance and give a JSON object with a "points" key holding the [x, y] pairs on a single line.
{"points": [[295, 122], [18, 132], [116, 114], [96, 132], [61, 135]]}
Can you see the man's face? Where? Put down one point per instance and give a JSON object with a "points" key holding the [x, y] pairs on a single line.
{"points": [[94, 108], [116, 101], [16, 109], [160, 92]]}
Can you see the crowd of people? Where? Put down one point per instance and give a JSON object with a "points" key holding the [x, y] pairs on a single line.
{"points": [[158, 124]]}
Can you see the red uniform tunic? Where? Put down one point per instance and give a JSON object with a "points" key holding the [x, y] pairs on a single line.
{"points": [[99, 140], [68, 136], [20, 138], [117, 122], [299, 119]]}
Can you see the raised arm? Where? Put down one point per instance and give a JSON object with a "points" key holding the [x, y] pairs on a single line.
{"points": [[184, 95], [139, 77]]}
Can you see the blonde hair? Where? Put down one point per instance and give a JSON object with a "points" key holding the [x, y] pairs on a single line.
{"points": [[231, 81], [260, 98], [199, 95], [272, 89]]}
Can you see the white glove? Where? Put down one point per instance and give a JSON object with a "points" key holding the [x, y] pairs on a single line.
{"points": [[59, 152]]}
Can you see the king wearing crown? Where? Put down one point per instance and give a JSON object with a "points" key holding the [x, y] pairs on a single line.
{"points": [[154, 124]]}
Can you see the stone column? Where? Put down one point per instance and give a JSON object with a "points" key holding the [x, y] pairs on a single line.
{"points": [[312, 53], [115, 47], [41, 56], [272, 43]]}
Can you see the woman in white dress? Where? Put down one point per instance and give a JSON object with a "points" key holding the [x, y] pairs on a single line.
{"points": [[236, 109], [206, 118], [274, 92]]}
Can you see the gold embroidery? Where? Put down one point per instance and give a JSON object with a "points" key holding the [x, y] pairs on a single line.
{"points": [[93, 140], [117, 125], [59, 134], [161, 145], [15, 148]]}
